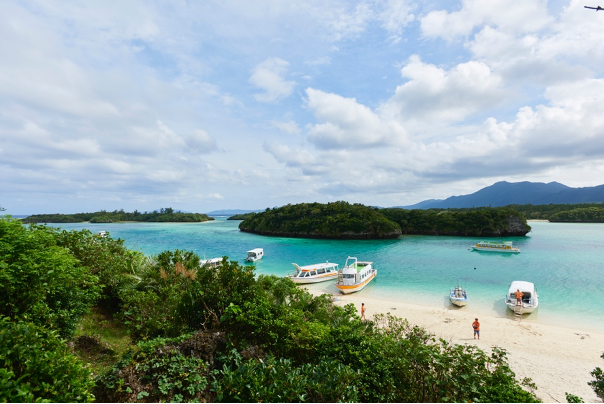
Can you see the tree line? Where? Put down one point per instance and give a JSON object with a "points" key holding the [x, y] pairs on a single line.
{"points": [[102, 216], [581, 212]]}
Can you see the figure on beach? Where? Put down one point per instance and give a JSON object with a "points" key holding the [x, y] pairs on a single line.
{"points": [[519, 295], [363, 311], [476, 327]]}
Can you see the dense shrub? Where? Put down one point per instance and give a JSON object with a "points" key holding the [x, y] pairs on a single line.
{"points": [[156, 371], [40, 281], [279, 380], [37, 366], [598, 383]]}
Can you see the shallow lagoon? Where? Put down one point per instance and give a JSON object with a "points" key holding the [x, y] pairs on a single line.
{"points": [[565, 261]]}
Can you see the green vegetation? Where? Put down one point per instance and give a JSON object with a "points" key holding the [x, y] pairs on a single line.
{"points": [[315, 220], [585, 212], [163, 215], [345, 221], [486, 222], [242, 216], [162, 328]]}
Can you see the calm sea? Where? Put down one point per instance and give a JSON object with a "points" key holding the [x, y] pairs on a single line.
{"points": [[564, 261]]}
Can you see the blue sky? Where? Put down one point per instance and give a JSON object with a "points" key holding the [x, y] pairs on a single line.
{"points": [[213, 105]]}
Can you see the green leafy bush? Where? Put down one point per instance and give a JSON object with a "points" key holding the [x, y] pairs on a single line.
{"points": [[40, 281], [279, 380], [37, 366], [598, 383], [156, 371]]}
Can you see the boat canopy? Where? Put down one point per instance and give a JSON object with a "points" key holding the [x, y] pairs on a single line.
{"points": [[523, 286]]}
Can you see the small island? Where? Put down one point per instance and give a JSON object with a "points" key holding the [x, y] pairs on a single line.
{"points": [[341, 220], [163, 215], [334, 220]]}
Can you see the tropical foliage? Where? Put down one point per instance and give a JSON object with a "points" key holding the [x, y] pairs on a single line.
{"points": [[163, 215], [547, 212], [487, 222]]}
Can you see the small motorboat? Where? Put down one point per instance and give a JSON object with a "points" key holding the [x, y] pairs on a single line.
{"points": [[458, 296], [529, 297], [211, 262], [505, 247], [254, 255]]}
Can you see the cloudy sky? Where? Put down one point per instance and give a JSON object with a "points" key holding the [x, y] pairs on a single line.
{"points": [[205, 105]]}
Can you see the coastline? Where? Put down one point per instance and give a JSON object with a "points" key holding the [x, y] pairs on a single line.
{"points": [[559, 360]]}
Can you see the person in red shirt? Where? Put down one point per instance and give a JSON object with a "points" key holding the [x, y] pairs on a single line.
{"points": [[476, 327]]}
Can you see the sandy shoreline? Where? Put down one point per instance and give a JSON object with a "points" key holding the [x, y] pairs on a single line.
{"points": [[558, 359]]}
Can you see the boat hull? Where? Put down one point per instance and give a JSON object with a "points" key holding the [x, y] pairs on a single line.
{"points": [[499, 250], [314, 279], [458, 302], [526, 308], [346, 289]]}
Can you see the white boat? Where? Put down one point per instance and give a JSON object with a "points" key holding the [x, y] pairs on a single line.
{"points": [[102, 233], [211, 263], [458, 296], [505, 247], [314, 273], [530, 298], [254, 255], [355, 275]]}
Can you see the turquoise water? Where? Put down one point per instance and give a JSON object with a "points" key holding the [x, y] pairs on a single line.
{"points": [[565, 262]]}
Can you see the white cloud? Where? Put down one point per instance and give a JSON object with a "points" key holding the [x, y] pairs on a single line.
{"points": [[431, 93], [268, 76], [290, 127], [510, 15], [343, 123]]}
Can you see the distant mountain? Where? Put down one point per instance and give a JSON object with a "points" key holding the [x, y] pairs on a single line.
{"points": [[522, 193], [230, 212]]}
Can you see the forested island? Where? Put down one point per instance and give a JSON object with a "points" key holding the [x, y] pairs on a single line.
{"points": [[83, 318], [341, 220], [577, 213], [163, 215]]}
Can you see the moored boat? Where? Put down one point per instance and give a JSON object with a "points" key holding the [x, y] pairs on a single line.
{"points": [[254, 255], [458, 296], [314, 273], [529, 298], [505, 247], [355, 275], [211, 262]]}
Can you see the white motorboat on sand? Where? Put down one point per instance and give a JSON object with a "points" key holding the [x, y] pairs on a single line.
{"points": [[355, 275], [522, 297], [458, 296]]}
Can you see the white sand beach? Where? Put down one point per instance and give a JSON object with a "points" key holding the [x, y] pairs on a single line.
{"points": [[557, 359]]}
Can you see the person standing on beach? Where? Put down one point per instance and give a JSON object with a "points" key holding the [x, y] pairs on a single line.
{"points": [[363, 311], [476, 327]]}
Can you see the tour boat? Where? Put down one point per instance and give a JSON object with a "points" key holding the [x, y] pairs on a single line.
{"points": [[530, 298], [102, 233], [505, 247], [211, 262], [355, 275], [254, 255], [314, 273], [458, 296]]}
